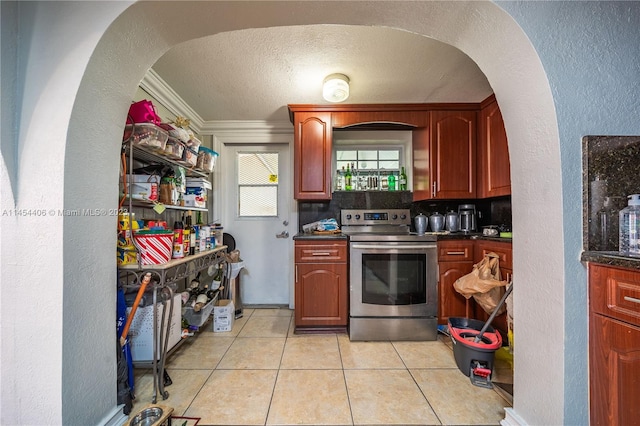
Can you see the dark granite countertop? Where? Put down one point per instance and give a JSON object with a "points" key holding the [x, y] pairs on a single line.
{"points": [[610, 258], [309, 237], [455, 236]]}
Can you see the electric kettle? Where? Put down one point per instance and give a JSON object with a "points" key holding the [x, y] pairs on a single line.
{"points": [[421, 224], [468, 221]]}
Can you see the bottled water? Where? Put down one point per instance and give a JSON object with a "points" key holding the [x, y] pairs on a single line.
{"points": [[630, 227]]}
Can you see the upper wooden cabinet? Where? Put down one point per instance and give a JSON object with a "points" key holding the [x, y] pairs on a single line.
{"points": [[453, 154], [494, 168], [312, 155], [444, 145]]}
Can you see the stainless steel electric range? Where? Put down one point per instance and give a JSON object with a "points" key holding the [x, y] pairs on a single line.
{"points": [[392, 277]]}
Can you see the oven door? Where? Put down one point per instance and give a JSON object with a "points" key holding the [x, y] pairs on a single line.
{"points": [[393, 279]]}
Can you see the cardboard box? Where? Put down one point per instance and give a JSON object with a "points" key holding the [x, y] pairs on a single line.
{"points": [[223, 315], [141, 331]]}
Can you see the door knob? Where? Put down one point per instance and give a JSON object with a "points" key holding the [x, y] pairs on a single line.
{"points": [[283, 234]]}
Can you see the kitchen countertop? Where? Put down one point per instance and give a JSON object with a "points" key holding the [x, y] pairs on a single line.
{"points": [[455, 236], [610, 258], [305, 236]]}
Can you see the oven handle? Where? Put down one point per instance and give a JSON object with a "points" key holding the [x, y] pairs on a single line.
{"points": [[387, 247]]}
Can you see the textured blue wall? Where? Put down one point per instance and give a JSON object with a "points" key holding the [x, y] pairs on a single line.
{"points": [[591, 54]]}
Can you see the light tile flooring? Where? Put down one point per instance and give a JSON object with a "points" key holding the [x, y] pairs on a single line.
{"points": [[260, 373]]}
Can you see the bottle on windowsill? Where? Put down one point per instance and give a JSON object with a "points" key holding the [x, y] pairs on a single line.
{"points": [[347, 180], [402, 182]]}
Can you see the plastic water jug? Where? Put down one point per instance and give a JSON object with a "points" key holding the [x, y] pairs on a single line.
{"points": [[630, 227]]}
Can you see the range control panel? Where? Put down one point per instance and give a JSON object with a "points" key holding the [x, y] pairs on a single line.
{"points": [[375, 217]]}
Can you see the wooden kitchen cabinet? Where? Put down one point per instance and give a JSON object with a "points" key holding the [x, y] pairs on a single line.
{"points": [[449, 146], [504, 251], [312, 155], [494, 168], [321, 285], [455, 259], [614, 345]]}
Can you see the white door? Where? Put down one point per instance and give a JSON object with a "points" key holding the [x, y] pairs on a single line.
{"points": [[258, 214]]}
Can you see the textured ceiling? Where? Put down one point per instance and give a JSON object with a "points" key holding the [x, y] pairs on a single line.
{"points": [[253, 74]]}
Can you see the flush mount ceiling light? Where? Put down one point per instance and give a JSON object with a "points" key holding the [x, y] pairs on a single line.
{"points": [[335, 88]]}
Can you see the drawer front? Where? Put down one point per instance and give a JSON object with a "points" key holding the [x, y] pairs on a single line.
{"points": [[455, 251], [615, 293], [503, 250], [321, 252]]}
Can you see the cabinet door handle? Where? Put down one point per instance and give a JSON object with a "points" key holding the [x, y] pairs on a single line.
{"points": [[456, 253], [433, 189], [631, 299], [296, 273]]}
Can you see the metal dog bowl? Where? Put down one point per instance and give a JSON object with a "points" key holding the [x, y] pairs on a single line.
{"points": [[147, 417]]}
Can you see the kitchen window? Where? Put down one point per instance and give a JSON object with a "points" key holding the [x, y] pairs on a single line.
{"points": [[373, 154], [369, 160], [257, 184]]}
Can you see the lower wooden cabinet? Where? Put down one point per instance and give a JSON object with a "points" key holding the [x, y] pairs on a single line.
{"points": [[614, 346], [321, 285], [455, 259], [504, 251]]}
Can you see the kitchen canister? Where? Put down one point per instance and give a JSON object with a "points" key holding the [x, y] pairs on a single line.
{"points": [[436, 221], [452, 221], [420, 222]]}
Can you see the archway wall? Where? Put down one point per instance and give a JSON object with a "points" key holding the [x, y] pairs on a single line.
{"points": [[45, 49], [141, 35], [81, 267]]}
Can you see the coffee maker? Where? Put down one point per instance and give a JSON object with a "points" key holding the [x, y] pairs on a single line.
{"points": [[468, 220]]}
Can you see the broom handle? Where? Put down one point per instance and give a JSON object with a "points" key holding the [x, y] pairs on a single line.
{"points": [[493, 314], [145, 280]]}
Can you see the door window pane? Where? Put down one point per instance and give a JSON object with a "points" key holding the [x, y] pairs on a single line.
{"points": [[257, 184]]}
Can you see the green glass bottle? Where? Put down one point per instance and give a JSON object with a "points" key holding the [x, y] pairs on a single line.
{"points": [[403, 180], [347, 180], [391, 181]]}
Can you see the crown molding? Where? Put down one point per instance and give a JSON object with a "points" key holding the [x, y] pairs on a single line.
{"points": [[247, 127], [160, 90]]}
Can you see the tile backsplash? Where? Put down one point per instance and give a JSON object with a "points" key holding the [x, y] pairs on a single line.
{"points": [[490, 211]]}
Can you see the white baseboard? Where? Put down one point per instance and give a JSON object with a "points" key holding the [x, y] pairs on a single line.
{"points": [[512, 419], [115, 418]]}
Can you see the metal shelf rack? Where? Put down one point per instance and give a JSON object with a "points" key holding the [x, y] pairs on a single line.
{"points": [[166, 276]]}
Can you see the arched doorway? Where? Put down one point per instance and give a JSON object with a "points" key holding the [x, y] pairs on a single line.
{"points": [[490, 37]]}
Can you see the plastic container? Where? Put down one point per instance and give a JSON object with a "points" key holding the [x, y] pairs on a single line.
{"points": [[206, 159], [174, 149], [155, 246], [629, 234], [218, 234], [189, 157], [197, 319], [146, 135]]}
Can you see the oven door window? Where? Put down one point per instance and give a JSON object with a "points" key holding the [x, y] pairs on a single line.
{"points": [[394, 279]]}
